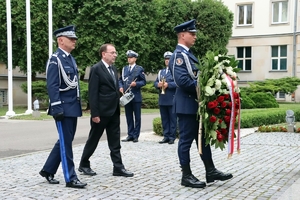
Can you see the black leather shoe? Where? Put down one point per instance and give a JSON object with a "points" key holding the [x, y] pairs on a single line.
{"points": [[216, 175], [128, 139], [191, 181], [165, 140], [171, 142], [135, 140], [122, 172], [87, 171], [49, 177], [76, 184]]}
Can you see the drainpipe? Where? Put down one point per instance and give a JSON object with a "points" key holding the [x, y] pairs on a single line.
{"points": [[295, 40]]}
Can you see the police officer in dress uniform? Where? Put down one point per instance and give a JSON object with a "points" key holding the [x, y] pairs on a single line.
{"points": [[64, 106], [165, 83], [182, 65], [131, 80]]}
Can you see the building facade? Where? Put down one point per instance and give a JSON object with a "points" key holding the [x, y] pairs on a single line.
{"points": [[265, 40]]}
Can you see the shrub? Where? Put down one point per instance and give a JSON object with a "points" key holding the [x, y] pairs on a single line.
{"points": [[150, 96], [264, 100], [158, 129], [157, 126], [150, 100], [149, 88], [246, 102]]}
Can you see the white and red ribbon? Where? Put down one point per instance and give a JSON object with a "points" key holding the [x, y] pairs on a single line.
{"points": [[231, 86]]}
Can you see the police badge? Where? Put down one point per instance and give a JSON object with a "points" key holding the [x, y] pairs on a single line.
{"points": [[179, 61]]}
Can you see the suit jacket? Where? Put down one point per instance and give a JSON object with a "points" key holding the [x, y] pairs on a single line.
{"points": [[167, 98], [104, 97], [67, 101], [185, 99], [128, 76]]}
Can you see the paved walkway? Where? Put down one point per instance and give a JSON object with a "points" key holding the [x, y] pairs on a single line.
{"points": [[267, 168]]}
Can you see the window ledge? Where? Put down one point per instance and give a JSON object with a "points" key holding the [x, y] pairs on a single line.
{"points": [[245, 26], [245, 71], [278, 71]]}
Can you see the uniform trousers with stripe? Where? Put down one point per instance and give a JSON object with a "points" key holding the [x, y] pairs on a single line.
{"points": [[62, 150]]}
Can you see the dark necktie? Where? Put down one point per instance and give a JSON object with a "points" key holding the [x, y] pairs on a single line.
{"points": [[112, 74], [70, 58]]}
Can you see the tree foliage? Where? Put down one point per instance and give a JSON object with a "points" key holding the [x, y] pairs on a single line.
{"points": [[145, 26]]}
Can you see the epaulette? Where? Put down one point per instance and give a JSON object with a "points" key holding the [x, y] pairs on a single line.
{"points": [[55, 54], [178, 51]]}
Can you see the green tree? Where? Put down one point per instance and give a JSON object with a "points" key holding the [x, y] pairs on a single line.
{"points": [[39, 34], [213, 21], [145, 26], [126, 24]]}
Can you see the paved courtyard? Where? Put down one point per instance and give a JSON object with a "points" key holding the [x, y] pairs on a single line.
{"points": [[267, 168]]}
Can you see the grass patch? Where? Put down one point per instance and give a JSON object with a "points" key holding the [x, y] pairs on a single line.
{"points": [[86, 113]]}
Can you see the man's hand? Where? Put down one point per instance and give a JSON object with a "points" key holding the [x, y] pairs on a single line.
{"points": [[96, 120], [159, 84], [166, 85], [59, 116], [121, 90], [133, 84]]}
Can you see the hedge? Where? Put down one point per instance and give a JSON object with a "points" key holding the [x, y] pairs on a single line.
{"points": [[252, 118]]}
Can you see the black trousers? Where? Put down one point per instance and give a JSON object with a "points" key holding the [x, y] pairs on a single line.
{"points": [[112, 126]]}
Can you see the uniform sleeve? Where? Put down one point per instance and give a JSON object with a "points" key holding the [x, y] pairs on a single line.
{"points": [[156, 82], [171, 84], [121, 79], [53, 84], [181, 75], [141, 79]]}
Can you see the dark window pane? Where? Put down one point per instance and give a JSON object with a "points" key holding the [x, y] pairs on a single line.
{"points": [[275, 51], [240, 52], [274, 64], [248, 65], [248, 52], [283, 64], [249, 14], [283, 51], [281, 95], [241, 14], [240, 65]]}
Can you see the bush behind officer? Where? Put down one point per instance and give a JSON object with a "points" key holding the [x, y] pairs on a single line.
{"points": [[131, 80], [64, 106], [167, 87], [185, 73]]}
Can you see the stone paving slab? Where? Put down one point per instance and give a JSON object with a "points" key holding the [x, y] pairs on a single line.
{"points": [[267, 167]]}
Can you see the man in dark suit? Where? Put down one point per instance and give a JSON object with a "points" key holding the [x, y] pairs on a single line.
{"points": [[165, 83], [132, 79], [104, 100], [185, 73], [64, 106]]}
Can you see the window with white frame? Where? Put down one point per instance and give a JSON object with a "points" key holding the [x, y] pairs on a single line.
{"points": [[244, 15], [279, 12], [279, 95], [279, 57], [244, 55]]}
